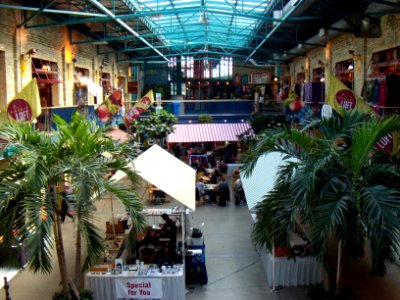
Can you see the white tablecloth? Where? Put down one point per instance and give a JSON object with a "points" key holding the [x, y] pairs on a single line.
{"points": [[103, 286], [299, 272]]}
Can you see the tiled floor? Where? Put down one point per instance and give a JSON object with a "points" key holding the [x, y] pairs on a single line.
{"points": [[233, 266]]}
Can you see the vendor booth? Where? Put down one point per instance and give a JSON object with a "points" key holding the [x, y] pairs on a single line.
{"points": [[148, 278], [279, 269]]}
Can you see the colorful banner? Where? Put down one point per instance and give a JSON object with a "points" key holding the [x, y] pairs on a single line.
{"points": [[389, 143], [141, 105], [111, 105], [340, 97], [138, 288], [294, 102], [25, 106]]}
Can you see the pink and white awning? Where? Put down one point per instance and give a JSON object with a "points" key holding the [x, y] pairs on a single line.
{"points": [[207, 132]]}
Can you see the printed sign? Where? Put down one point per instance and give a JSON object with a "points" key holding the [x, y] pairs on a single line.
{"points": [[138, 288]]}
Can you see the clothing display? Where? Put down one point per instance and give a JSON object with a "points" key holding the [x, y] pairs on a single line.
{"points": [[384, 92], [314, 92]]}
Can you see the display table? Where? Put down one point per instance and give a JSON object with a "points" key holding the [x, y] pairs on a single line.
{"points": [[155, 286], [196, 263], [283, 272]]}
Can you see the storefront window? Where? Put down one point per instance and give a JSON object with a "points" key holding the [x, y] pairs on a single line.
{"points": [[344, 70], [81, 78]]}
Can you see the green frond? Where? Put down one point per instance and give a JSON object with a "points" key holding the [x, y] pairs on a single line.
{"points": [[39, 210], [380, 207], [93, 241], [132, 203]]}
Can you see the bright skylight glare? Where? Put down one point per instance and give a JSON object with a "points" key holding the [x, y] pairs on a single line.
{"points": [[207, 21]]}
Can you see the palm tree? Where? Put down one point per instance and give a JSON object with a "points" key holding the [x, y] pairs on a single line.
{"points": [[86, 169], [43, 161], [335, 186]]}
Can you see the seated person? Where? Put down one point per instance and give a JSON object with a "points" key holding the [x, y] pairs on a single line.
{"points": [[200, 189], [147, 246], [215, 175], [149, 239], [168, 230]]}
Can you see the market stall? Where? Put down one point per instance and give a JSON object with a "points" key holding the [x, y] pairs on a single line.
{"points": [[280, 270], [118, 280]]}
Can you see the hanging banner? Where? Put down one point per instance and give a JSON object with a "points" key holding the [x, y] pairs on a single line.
{"points": [[25, 106], [340, 97], [111, 105], [141, 106], [138, 288]]}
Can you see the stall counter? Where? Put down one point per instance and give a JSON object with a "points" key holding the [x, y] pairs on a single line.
{"points": [[130, 285]]}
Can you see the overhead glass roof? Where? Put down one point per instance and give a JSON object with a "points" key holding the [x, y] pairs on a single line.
{"points": [[225, 24]]}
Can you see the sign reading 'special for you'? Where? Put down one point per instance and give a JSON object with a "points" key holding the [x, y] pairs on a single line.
{"points": [[138, 288]]}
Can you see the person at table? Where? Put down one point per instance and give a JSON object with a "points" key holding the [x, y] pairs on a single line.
{"points": [[223, 191], [198, 166], [168, 230], [215, 175]]}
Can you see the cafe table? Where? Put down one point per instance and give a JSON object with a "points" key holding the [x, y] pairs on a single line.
{"points": [[168, 285]]}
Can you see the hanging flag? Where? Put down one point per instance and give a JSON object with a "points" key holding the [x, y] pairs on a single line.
{"points": [[25, 106], [340, 97], [389, 143], [141, 105], [110, 106], [294, 102]]}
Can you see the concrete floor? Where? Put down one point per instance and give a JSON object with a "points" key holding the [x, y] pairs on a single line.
{"points": [[233, 266]]}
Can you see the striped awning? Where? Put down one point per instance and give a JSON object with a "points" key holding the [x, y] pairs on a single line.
{"points": [[207, 132], [262, 179]]}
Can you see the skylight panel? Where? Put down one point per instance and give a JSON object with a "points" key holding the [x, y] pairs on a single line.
{"points": [[208, 20]]}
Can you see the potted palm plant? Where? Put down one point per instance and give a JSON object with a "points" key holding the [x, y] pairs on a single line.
{"points": [[41, 162], [339, 186]]}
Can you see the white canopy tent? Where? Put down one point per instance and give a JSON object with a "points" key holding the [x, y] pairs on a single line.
{"points": [[168, 173]]}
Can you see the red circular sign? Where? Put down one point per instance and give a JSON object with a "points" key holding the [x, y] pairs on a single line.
{"points": [[385, 143], [146, 100], [20, 110], [346, 99]]}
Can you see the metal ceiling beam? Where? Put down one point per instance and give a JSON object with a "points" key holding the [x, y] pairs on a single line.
{"points": [[385, 2], [53, 11], [292, 9], [105, 40], [36, 13], [103, 18], [124, 25]]}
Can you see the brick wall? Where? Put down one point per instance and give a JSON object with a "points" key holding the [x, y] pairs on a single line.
{"points": [[338, 49], [52, 44]]}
